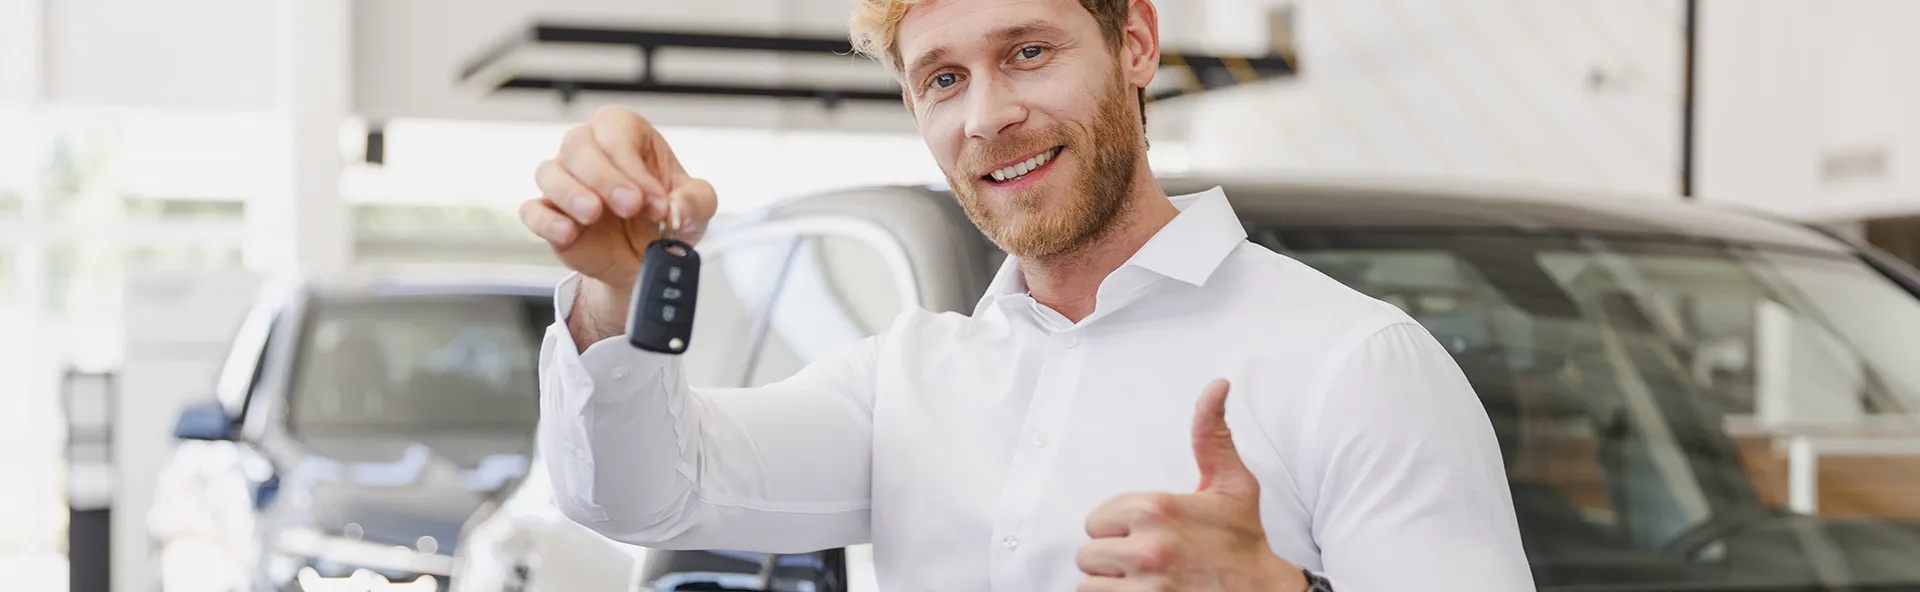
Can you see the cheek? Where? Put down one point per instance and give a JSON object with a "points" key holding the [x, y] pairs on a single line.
{"points": [[944, 134]]}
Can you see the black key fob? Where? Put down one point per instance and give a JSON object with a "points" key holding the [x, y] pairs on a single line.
{"points": [[661, 319]]}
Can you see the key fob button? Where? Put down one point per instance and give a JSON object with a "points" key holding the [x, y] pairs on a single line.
{"points": [[670, 293], [673, 274], [669, 313]]}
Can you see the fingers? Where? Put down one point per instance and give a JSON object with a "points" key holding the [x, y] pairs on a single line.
{"points": [[1117, 557], [632, 145], [567, 194], [1124, 515], [1221, 469], [549, 223], [582, 157]]}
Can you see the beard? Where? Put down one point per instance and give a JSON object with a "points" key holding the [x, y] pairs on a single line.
{"points": [[1021, 224]]}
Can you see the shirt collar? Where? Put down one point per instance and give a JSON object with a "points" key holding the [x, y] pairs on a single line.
{"points": [[1189, 248]]}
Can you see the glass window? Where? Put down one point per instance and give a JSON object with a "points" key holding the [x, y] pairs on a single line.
{"points": [[146, 209], [837, 291], [1616, 373], [734, 288], [433, 362]]}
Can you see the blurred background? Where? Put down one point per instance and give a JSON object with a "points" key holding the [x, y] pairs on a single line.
{"points": [[262, 280]]}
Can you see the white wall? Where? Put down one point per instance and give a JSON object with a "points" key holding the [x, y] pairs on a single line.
{"points": [[195, 54], [1788, 84], [1573, 92]]}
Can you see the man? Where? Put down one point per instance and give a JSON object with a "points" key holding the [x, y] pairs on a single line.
{"points": [[1043, 442]]}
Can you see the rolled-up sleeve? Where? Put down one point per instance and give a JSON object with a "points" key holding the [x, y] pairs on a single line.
{"points": [[1409, 489], [637, 455]]}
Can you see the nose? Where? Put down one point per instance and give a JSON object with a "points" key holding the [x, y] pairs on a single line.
{"points": [[994, 108]]}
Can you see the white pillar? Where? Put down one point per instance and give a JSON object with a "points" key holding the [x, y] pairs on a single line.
{"points": [[34, 374], [302, 225], [20, 51]]}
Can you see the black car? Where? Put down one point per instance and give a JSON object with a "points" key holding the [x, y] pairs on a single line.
{"points": [[355, 429]]}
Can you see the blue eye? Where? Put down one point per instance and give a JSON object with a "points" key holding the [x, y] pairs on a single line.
{"points": [[1031, 51], [945, 80]]}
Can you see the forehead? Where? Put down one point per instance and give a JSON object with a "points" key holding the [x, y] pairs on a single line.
{"points": [[954, 25]]}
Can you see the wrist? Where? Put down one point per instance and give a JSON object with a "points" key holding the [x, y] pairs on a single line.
{"points": [[599, 312], [1284, 576], [1294, 579]]}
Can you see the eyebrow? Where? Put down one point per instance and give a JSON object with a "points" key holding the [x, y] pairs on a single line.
{"points": [[1001, 35]]}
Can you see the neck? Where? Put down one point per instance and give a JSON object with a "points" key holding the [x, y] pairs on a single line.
{"points": [[1068, 283]]}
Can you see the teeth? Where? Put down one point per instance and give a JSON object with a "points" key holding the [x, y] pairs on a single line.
{"points": [[1021, 170]]}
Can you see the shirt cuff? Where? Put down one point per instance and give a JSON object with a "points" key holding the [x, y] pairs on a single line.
{"points": [[609, 370]]}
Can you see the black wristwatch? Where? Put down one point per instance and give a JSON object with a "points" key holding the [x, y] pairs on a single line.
{"points": [[1317, 582]]}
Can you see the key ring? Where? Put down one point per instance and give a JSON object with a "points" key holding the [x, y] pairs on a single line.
{"points": [[670, 227]]}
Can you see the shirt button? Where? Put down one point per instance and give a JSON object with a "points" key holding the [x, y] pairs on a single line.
{"points": [[579, 454], [1073, 339], [1010, 542], [1039, 440], [619, 373]]}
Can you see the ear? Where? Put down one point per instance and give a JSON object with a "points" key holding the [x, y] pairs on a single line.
{"points": [[1141, 40]]}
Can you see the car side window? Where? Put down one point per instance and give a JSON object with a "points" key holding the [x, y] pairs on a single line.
{"points": [[837, 291], [735, 285]]}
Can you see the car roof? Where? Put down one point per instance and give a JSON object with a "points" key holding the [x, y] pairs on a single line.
{"points": [[1426, 203], [1416, 203]]}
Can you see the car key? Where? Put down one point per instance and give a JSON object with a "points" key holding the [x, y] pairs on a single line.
{"points": [[661, 316]]}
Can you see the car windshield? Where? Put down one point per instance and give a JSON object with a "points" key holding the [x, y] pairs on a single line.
{"points": [[413, 363], [1674, 415]]}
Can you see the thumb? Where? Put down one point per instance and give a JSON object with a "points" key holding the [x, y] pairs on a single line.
{"points": [[1221, 470]]}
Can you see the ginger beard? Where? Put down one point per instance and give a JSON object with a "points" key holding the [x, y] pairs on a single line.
{"points": [[1021, 223]]}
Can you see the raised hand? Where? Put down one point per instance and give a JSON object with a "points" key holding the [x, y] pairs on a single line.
{"points": [[1210, 539], [603, 199]]}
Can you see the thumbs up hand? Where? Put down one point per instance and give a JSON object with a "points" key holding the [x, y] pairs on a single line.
{"points": [[1210, 539]]}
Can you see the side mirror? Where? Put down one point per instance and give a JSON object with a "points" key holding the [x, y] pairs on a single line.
{"points": [[203, 421]]}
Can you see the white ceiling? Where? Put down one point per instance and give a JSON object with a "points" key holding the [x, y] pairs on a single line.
{"points": [[406, 56]]}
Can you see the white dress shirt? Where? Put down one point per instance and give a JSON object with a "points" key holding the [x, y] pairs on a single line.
{"points": [[969, 449]]}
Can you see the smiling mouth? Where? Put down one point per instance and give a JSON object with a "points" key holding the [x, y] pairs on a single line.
{"points": [[1026, 167]]}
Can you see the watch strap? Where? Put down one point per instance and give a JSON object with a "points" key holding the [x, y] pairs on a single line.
{"points": [[1317, 582]]}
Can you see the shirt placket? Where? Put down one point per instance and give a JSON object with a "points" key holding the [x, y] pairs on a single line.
{"points": [[1036, 452]]}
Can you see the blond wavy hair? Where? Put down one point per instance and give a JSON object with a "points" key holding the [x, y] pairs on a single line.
{"points": [[875, 26]]}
